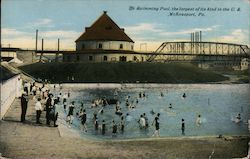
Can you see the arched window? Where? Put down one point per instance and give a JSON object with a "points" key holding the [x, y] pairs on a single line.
{"points": [[121, 46], [105, 58], [100, 46]]}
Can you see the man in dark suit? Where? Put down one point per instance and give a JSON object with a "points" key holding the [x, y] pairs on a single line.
{"points": [[24, 105], [48, 109]]}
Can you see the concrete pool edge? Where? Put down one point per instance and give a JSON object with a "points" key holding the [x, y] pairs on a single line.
{"points": [[114, 139], [134, 85]]}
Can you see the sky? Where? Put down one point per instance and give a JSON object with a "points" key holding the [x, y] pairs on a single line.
{"points": [[148, 22]]}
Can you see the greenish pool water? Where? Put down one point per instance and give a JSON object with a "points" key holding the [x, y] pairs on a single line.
{"points": [[218, 104]]}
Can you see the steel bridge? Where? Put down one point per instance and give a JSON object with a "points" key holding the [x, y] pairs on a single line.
{"points": [[188, 51]]}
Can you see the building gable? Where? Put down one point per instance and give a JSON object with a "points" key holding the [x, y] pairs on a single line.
{"points": [[104, 28]]}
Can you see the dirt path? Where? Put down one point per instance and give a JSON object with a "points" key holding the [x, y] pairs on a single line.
{"points": [[28, 140]]}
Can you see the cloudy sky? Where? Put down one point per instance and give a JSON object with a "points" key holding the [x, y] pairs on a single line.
{"points": [[145, 21]]}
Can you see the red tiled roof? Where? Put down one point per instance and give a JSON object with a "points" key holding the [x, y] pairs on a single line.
{"points": [[104, 28]]}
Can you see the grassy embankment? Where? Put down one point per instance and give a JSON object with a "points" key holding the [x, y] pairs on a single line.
{"points": [[122, 72]]}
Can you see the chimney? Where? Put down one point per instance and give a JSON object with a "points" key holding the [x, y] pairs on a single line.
{"points": [[123, 29], [104, 12]]}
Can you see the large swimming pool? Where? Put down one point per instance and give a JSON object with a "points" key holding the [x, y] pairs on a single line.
{"points": [[218, 105]]}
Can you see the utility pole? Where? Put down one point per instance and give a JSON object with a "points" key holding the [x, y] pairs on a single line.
{"points": [[41, 54], [36, 44], [58, 49]]}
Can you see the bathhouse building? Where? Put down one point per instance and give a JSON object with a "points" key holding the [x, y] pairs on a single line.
{"points": [[104, 41]]}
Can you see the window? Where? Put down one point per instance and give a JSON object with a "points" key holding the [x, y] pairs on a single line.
{"points": [[113, 58], [121, 46], [123, 58], [68, 58], [135, 58], [100, 46], [90, 58], [77, 58], [83, 46], [132, 47], [105, 58], [142, 59]]}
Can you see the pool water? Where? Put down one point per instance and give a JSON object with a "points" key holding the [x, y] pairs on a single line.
{"points": [[218, 104]]}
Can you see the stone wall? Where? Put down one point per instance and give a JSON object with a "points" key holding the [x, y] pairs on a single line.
{"points": [[10, 89]]}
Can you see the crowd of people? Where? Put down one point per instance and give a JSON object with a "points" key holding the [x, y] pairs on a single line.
{"points": [[43, 99]]}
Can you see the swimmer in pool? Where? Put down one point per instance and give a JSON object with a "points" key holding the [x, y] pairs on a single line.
{"points": [[128, 117], [114, 131], [198, 120], [162, 95], [142, 122], [157, 126], [183, 126], [152, 112], [238, 118], [103, 127], [184, 95], [122, 124], [170, 106]]}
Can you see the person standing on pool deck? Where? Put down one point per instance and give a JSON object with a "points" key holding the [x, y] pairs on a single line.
{"points": [[48, 106], [24, 105], [183, 126], [38, 108], [157, 126]]}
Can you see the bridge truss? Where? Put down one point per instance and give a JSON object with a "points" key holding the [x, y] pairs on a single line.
{"points": [[185, 50]]}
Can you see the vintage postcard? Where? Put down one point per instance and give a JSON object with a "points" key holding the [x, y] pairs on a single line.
{"points": [[125, 79]]}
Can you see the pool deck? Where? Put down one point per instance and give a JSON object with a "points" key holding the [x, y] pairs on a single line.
{"points": [[28, 140]]}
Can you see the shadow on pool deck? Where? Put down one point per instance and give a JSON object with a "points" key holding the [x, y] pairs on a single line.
{"points": [[28, 140]]}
